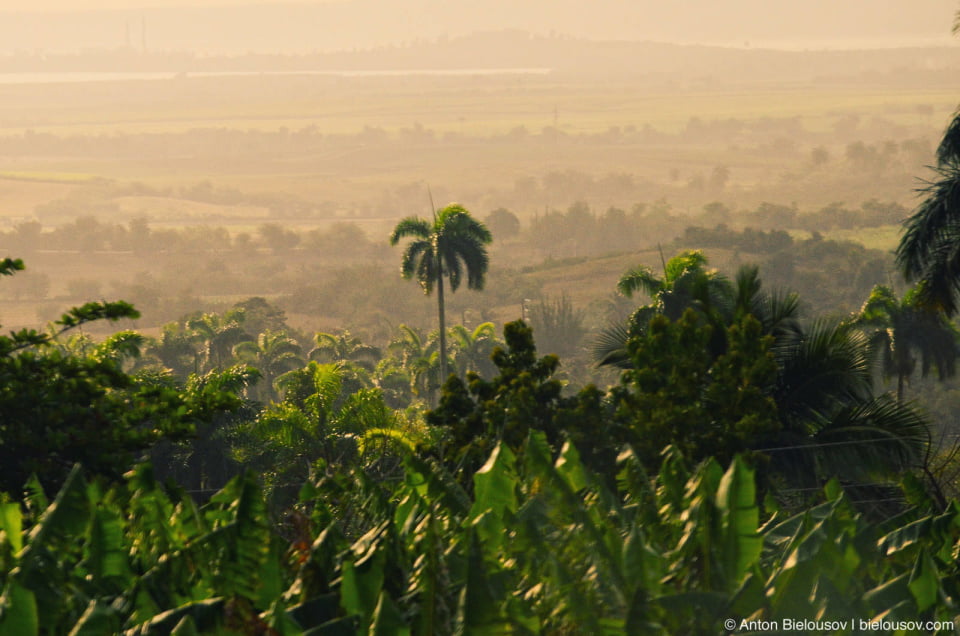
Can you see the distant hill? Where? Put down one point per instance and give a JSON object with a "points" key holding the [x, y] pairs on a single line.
{"points": [[362, 24]]}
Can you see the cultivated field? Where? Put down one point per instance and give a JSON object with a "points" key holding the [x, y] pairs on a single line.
{"points": [[308, 152]]}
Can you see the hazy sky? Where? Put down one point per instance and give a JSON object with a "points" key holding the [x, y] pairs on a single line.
{"points": [[73, 5], [297, 26]]}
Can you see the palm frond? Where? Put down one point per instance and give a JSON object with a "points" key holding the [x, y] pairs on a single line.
{"points": [[928, 249], [411, 226], [609, 348], [822, 366], [414, 255], [640, 278], [949, 149], [872, 439]]}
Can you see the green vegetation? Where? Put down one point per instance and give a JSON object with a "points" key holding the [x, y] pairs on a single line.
{"points": [[454, 242], [280, 445], [743, 461]]}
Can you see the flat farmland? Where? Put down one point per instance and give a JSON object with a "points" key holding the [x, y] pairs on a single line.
{"points": [[477, 105], [307, 153]]}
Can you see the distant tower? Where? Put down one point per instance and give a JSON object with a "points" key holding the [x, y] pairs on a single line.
{"points": [[126, 26], [143, 34]]}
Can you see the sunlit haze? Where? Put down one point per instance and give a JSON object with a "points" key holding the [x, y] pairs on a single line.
{"points": [[225, 26]]}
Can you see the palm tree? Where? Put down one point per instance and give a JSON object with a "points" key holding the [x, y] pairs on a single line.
{"points": [[472, 349], [175, 350], [831, 421], [418, 355], [688, 283], [929, 250], [273, 354], [218, 335], [344, 347], [901, 333], [454, 242]]}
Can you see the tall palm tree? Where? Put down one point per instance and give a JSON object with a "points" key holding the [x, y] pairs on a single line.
{"points": [[929, 250], [454, 242], [686, 282], [902, 333]]}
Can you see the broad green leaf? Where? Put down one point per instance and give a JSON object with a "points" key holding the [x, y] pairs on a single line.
{"points": [[387, 619], [479, 608], [495, 484], [64, 520], [736, 499], [106, 552], [100, 618], [434, 483], [206, 616], [362, 579], [888, 594], [11, 522], [939, 529], [18, 611], [317, 611], [186, 627], [924, 583], [570, 467]]}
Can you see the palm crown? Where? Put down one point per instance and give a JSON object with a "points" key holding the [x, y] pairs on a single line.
{"points": [[454, 242]]}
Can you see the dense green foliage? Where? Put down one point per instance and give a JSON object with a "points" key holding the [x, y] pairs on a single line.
{"points": [[58, 408], [540, 544]]}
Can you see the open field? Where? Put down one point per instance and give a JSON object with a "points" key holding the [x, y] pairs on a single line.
{"points": [[478, 105], [308, 152], [330, 138]]}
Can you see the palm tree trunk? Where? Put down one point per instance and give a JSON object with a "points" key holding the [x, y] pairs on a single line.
{"points": [[443, 323]]}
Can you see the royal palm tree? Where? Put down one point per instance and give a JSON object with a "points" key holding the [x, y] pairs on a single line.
{"points": [[454, 244], [929, 250], [686, 282], [902, 333]]}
